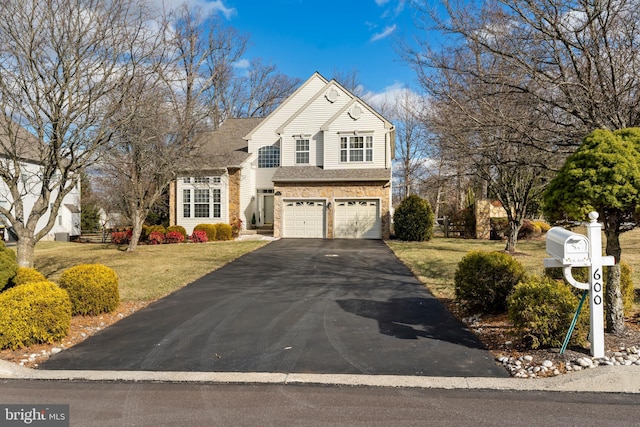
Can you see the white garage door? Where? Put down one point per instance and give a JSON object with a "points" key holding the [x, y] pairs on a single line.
{"points": [[304, 218], [358, 219]]}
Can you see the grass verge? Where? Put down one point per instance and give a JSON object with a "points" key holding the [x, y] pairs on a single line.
{"points": [[148, 273]]}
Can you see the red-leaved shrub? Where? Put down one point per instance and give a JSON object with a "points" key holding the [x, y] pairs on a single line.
{"points": [[156, 238], [199, 236], [174, 237], [121, 237]]}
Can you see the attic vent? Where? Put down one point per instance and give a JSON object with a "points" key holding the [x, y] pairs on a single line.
{"points": [[356, 112], [332, 94]]}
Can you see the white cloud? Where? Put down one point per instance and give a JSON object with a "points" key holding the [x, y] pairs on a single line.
{"points": [[243, 63], [385, 33], [381, 101], [206, 6]]}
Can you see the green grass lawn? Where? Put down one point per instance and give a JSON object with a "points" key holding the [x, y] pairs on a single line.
{"points": [[435, 262], [148, 273]]}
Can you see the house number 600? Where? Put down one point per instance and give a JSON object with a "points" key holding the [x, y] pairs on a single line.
{"points": [[597, 286]]}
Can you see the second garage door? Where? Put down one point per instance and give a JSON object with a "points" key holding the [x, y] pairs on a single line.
{"points": [[357, 219], [304, 218]]}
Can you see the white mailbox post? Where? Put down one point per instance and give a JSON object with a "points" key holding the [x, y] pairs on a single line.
{"points": [[569, 250]]}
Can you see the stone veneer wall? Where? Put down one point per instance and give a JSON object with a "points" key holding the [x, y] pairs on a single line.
{"points": [[234, 194], [173, 213], [330, 192]]}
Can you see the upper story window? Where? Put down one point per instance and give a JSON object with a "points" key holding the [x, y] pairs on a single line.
{"points": [[356, 148], [269, 157], [302, 151]]}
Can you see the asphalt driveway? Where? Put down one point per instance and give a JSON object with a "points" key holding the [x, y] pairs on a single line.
{"points": [[304, 306]]}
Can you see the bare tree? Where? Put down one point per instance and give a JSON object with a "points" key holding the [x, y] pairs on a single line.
{"points": [[59, 62], [411, 139], [168, 110], [350, 80], [259, 92], [575, 63]]}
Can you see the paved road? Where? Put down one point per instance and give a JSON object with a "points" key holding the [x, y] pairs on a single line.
{"points": [[151, 404], [303, 306]]}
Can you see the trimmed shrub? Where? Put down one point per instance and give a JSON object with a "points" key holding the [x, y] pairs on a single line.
{"points": [[180, 229], [544, 227], [209, 229], [199, 236], [529, 230], [36, 312], [148, 229], [223, 232], [8, 267], [484, 280], [174, 237], [413, 220], [156, 238], [121, 237], [93, 288], [541, 310], [27, 275]]}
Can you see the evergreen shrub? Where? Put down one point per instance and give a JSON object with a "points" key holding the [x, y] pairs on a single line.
{"points": [[93, 288], [224, 232], [8, 265], [209, 229], [27, 275], [483, 281], [177, 228], [174, 237], [199, 236], [31, 313], [541, 310], [413, 220]]}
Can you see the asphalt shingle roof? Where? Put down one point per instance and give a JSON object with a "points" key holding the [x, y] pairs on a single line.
{"points": [[318, 174], [226, 145]]}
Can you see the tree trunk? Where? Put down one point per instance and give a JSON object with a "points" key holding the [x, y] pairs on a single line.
{"points": [[138, 220], [512, 238], [25, 251], [614, 313]]}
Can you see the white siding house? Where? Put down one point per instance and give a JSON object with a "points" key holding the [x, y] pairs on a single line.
{"points": [[319, 166]]}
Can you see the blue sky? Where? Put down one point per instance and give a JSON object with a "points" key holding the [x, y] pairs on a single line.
{"points": [[303, 36]]}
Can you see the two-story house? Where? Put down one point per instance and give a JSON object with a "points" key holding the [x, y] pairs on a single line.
{"points": [[319, 166]]}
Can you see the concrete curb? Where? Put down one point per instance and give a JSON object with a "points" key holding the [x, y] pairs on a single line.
{"points": [[610, 379]]}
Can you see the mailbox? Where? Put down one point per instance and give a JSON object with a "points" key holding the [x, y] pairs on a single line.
{"points": [[567, 247]]}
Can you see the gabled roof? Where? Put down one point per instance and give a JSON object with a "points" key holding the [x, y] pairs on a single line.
{"points": [[274, 112], [17, 141], [318, 174], [225, 146], [325, 126], [311, 100]]}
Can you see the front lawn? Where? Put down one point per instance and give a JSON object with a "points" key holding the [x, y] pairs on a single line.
{"points": [[150, 272], [435, 262]]}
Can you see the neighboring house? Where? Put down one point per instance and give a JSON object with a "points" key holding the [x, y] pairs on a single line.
{"points": [[319, 166], [67, 223]]}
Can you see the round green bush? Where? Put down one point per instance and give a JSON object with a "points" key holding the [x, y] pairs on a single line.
{"points": [[8, 267], [541, 310], [27, 275], [483, 281], [210, 229], [224, 232], [35, 312], [93, 288], [148, 229], [413, 220], [180, 229]]}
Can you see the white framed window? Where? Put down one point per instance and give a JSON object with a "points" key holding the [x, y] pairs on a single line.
{"points": [[203, 199], [186, 203], [269, 157], [356, 148], [302, 151]]}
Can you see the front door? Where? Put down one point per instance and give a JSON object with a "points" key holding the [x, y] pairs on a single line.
{"points": [[268, 209]]}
